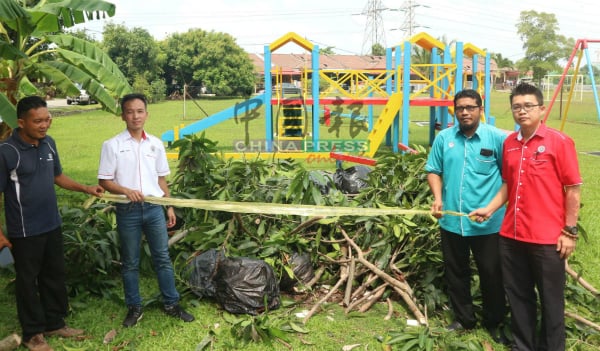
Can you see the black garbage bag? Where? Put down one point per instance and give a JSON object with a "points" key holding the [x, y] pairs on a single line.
{"points": [[302, 269], [202, 271], [246, 285], [322, 179], [352, 179]]}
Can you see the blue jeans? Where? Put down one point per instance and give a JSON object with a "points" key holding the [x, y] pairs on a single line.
{"points": [[132, 220]]}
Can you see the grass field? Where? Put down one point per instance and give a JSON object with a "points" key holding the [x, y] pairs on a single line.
{"points": [[79, 138]]}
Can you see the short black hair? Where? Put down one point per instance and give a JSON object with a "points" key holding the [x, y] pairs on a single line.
{"points": [[133, 96], [527, 89], [468, 93], [29, 103]]}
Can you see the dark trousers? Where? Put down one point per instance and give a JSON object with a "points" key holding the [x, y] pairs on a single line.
{"points": [[40, 282], [457, 251], [526, 267]]}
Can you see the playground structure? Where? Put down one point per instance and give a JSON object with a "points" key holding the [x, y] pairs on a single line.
{"points": [[580, 49], [293, 113]]}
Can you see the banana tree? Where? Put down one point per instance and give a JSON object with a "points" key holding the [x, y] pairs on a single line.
{"points": [[32, 46]]}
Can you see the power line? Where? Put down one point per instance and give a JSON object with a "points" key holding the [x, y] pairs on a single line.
{"points": [[374, 31], [409, 25]]}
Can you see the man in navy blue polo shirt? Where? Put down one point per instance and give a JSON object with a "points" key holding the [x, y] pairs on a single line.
{"points": [[29, 169], [464, 172]]}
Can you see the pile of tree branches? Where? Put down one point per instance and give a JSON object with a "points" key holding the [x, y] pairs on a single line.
{"points": [[361, 259], [370, 258]]}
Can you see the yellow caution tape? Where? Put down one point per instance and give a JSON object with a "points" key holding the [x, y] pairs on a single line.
{"points": [[273, 209]]}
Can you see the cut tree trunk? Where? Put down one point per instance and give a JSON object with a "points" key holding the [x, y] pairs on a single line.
{"points": [[402, 288]]}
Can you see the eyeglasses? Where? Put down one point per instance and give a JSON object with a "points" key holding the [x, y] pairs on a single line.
{"points": [[469, 108], [526, 107]]}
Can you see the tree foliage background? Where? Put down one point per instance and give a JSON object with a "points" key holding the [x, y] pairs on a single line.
{"points": [[209, 59], [139, 56], [544, 46]]}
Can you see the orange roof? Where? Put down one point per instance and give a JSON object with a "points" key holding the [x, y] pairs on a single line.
{"points": [[298, 62]]}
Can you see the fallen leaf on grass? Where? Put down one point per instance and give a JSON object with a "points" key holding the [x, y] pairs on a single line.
{"points": [[487, 346], [349, 347], [305, 342], [298, 328], [121, 346], [82, 337], [109, 337]]}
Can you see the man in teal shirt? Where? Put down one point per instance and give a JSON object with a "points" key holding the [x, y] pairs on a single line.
{"points": [[464, 172]]}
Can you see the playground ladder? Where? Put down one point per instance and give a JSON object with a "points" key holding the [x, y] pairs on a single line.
{"points": [[291, 124]]}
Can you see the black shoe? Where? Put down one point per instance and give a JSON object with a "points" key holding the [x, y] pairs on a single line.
{"points": [[178, 312], [498, 336], [455, 326], [134, 314]]}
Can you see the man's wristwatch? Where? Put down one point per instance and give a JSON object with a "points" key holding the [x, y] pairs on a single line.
{"points": [[571, 229], [570, 232]]}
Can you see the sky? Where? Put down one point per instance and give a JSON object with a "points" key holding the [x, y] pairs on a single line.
{"points": [[346, 26]]}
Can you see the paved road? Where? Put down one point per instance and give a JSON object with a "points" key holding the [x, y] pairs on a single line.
{"points": [[57, 103]]}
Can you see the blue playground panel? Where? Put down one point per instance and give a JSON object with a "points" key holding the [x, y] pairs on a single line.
{"points": [[236, 110]]}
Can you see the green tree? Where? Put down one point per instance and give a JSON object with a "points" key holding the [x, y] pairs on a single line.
{"points": [[154, 91], [135, 52], [209, 59], [501, 61], [32, 47], [544, 47], [585, 70], [377, 50], [328, 51], [82, 34]]}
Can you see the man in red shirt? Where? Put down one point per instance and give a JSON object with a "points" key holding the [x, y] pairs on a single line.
{"points": [[542, 186]]}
